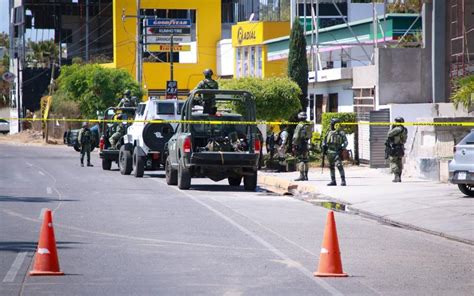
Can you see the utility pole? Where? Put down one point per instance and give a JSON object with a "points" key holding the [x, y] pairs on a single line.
{"points": [[171, 59], [139, 48], [87, 31]]}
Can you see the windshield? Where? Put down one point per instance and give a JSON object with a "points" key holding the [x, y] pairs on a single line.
{"points": [[468, 140], [165, 108], [180, 107]]}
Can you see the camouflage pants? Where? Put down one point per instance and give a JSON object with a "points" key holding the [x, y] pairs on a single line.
{"points": [[302, 155], [334, 160], [396, 164], [114, 139], [86, 149]]}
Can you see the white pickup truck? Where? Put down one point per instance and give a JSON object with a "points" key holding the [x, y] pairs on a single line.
{"points": [[145, 141]]}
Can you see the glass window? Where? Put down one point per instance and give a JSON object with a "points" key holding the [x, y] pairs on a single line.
{"points": [[246, 62], [333, 102], [259, 61], [252, 61], [239, 62], [165, 108], [180, 107]]}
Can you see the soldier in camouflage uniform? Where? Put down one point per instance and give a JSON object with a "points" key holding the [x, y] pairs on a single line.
{"points": [[127, 100], [282, 147], [118, 132], [301, 136], [396, 139], [85, 142], [208, 100], [333, 144]]}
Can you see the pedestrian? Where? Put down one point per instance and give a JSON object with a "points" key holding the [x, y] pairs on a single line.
{"points": [[300, 143], [395, 149], [85, 142], [282, 147], [334, 142], [208, 100]]}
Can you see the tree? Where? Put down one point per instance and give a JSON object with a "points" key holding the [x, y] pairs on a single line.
{"points": [[94, 87], [297, 60], [464, 92], [43, 53], [276, 98]]}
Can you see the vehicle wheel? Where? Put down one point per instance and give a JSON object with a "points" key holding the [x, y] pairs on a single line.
{"points": [[106, 164], [125, 160], [138, 164], [77, 148], [467, 189], [184, 177], [250, 182], [171, 175], [235, 181]]}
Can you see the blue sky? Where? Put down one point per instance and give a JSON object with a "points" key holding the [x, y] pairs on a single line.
{"points": [[4, 19]]}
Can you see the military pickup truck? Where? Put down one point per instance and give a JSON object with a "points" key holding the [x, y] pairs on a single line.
{"points": [[217, 151]]}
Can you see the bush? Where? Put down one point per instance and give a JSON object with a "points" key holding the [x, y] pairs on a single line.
{"points": [[344, 117], [62, 107], [464, 92], [277, 98]]}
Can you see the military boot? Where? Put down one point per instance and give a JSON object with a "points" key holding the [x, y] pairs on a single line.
{"points": [[82, 164], [333, 182], [89, 164], [301, 177], [396, 178], [306, 176], [343, 181]]}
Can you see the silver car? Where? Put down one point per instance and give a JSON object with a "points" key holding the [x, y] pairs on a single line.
{"points": [[4, 126], [461, 168]]}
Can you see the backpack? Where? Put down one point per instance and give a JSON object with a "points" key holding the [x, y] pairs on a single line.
{"points": [[86, 137]]}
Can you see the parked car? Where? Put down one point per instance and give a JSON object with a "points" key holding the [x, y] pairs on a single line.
{"points": [[4, 126], [215, 151], [70, 138], [461, 168]]}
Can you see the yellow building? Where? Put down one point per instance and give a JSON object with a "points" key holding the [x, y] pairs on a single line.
{"points": [[206, 32], [249, 42]]}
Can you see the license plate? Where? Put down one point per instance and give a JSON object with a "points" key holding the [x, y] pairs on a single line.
{"points": [[462, 176]]}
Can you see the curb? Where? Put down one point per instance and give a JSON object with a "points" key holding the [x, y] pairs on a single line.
{"points": [[279, 185]]}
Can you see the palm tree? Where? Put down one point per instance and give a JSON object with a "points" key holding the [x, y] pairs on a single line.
{"points": [[43, 53]]}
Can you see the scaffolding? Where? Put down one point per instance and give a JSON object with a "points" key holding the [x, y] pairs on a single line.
{"points": [[458, 42]]}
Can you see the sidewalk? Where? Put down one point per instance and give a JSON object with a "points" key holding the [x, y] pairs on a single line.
{"points": [[423, 205]]}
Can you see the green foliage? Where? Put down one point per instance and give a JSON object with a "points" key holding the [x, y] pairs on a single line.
{"points": [[62, 107], [277, 98], [4, 42], [297, 60], [4, 88], [43, 53], [343, 116], [405, 6], [464, 92], [93, 87]]}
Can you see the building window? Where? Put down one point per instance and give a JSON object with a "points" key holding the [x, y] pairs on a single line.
{"points": [[318, 108], [238, 64], [227, 8], [333, 103], [249, 61]]}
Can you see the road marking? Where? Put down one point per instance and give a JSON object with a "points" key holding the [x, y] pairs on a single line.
{"points": [[41, 173], [11, 274], [49, 190], [323, 284], [28, 164]]}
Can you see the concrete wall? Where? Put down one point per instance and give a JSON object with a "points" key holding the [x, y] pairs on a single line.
{"points": [[225, 58], [364, 77], [342, 87], [403, 76]]}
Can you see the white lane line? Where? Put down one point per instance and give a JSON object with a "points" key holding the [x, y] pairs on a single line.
{"points": [[323, 284], [42, 213], [49, 190], [41, 173], [28, 164], [11, 274]]}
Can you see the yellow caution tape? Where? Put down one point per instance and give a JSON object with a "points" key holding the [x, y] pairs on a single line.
{"points": [[223, 122]]}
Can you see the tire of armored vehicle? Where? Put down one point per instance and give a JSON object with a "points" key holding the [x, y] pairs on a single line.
{"points": [[125, 159]]}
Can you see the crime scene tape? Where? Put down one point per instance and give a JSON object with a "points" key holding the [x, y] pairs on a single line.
{"points": [[224, 122]]}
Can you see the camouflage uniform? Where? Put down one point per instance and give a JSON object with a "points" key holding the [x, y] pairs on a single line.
{"points": [[301, 136], [334, 142], [396, 138], [208, 100], [282, 147], [127, 100], [85, 142], [115, 138]]}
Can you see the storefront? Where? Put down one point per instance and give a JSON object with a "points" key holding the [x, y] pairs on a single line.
{"points": [[248, 41]]}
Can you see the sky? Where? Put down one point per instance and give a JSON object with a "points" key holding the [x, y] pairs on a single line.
{"points": [[4, 19]]}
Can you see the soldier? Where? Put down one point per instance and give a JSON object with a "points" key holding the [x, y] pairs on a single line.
{"points": [[282, 147], [208, 100], [334, 142], [270, 143], [118, 133], [85, 142], [127, 100], [396, 139], [300, 143]]}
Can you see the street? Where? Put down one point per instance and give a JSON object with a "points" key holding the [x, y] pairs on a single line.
{"points": [[120, 235]]}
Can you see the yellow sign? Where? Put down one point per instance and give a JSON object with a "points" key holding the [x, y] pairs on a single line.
{"points": [[167, 47], [247, 33]]}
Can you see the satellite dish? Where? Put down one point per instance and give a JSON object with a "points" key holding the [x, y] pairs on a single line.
{"points": [[8, 76]]}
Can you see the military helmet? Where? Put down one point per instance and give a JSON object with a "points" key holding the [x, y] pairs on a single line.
{"points": [[208, 73], [335, 120], [302, 115], [85, 124], [399, 119], [127, 92]]}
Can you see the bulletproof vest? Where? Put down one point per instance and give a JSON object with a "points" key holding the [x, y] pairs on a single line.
{"points": [[334, 140], [86, 137], [209, 84], [401, 137]]}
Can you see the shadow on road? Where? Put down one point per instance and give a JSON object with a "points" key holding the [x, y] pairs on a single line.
{"points": [[22, 246], [31, 199]]}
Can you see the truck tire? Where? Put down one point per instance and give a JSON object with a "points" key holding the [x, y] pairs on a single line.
{"points": [[235, 181], [171, 174], [125, 160], [106, 164], [467, 189], [138, 164], [250, 182], [184, 177]]}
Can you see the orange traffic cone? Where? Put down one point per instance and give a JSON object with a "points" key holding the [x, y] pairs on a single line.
{"points": [[330, 264], [46, 258]]}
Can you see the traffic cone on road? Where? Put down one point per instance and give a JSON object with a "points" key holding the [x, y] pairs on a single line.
{"points": [[330, 264], [46, 257]]}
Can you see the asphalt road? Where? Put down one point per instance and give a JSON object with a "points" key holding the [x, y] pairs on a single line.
{"points": [[118, 235]]}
